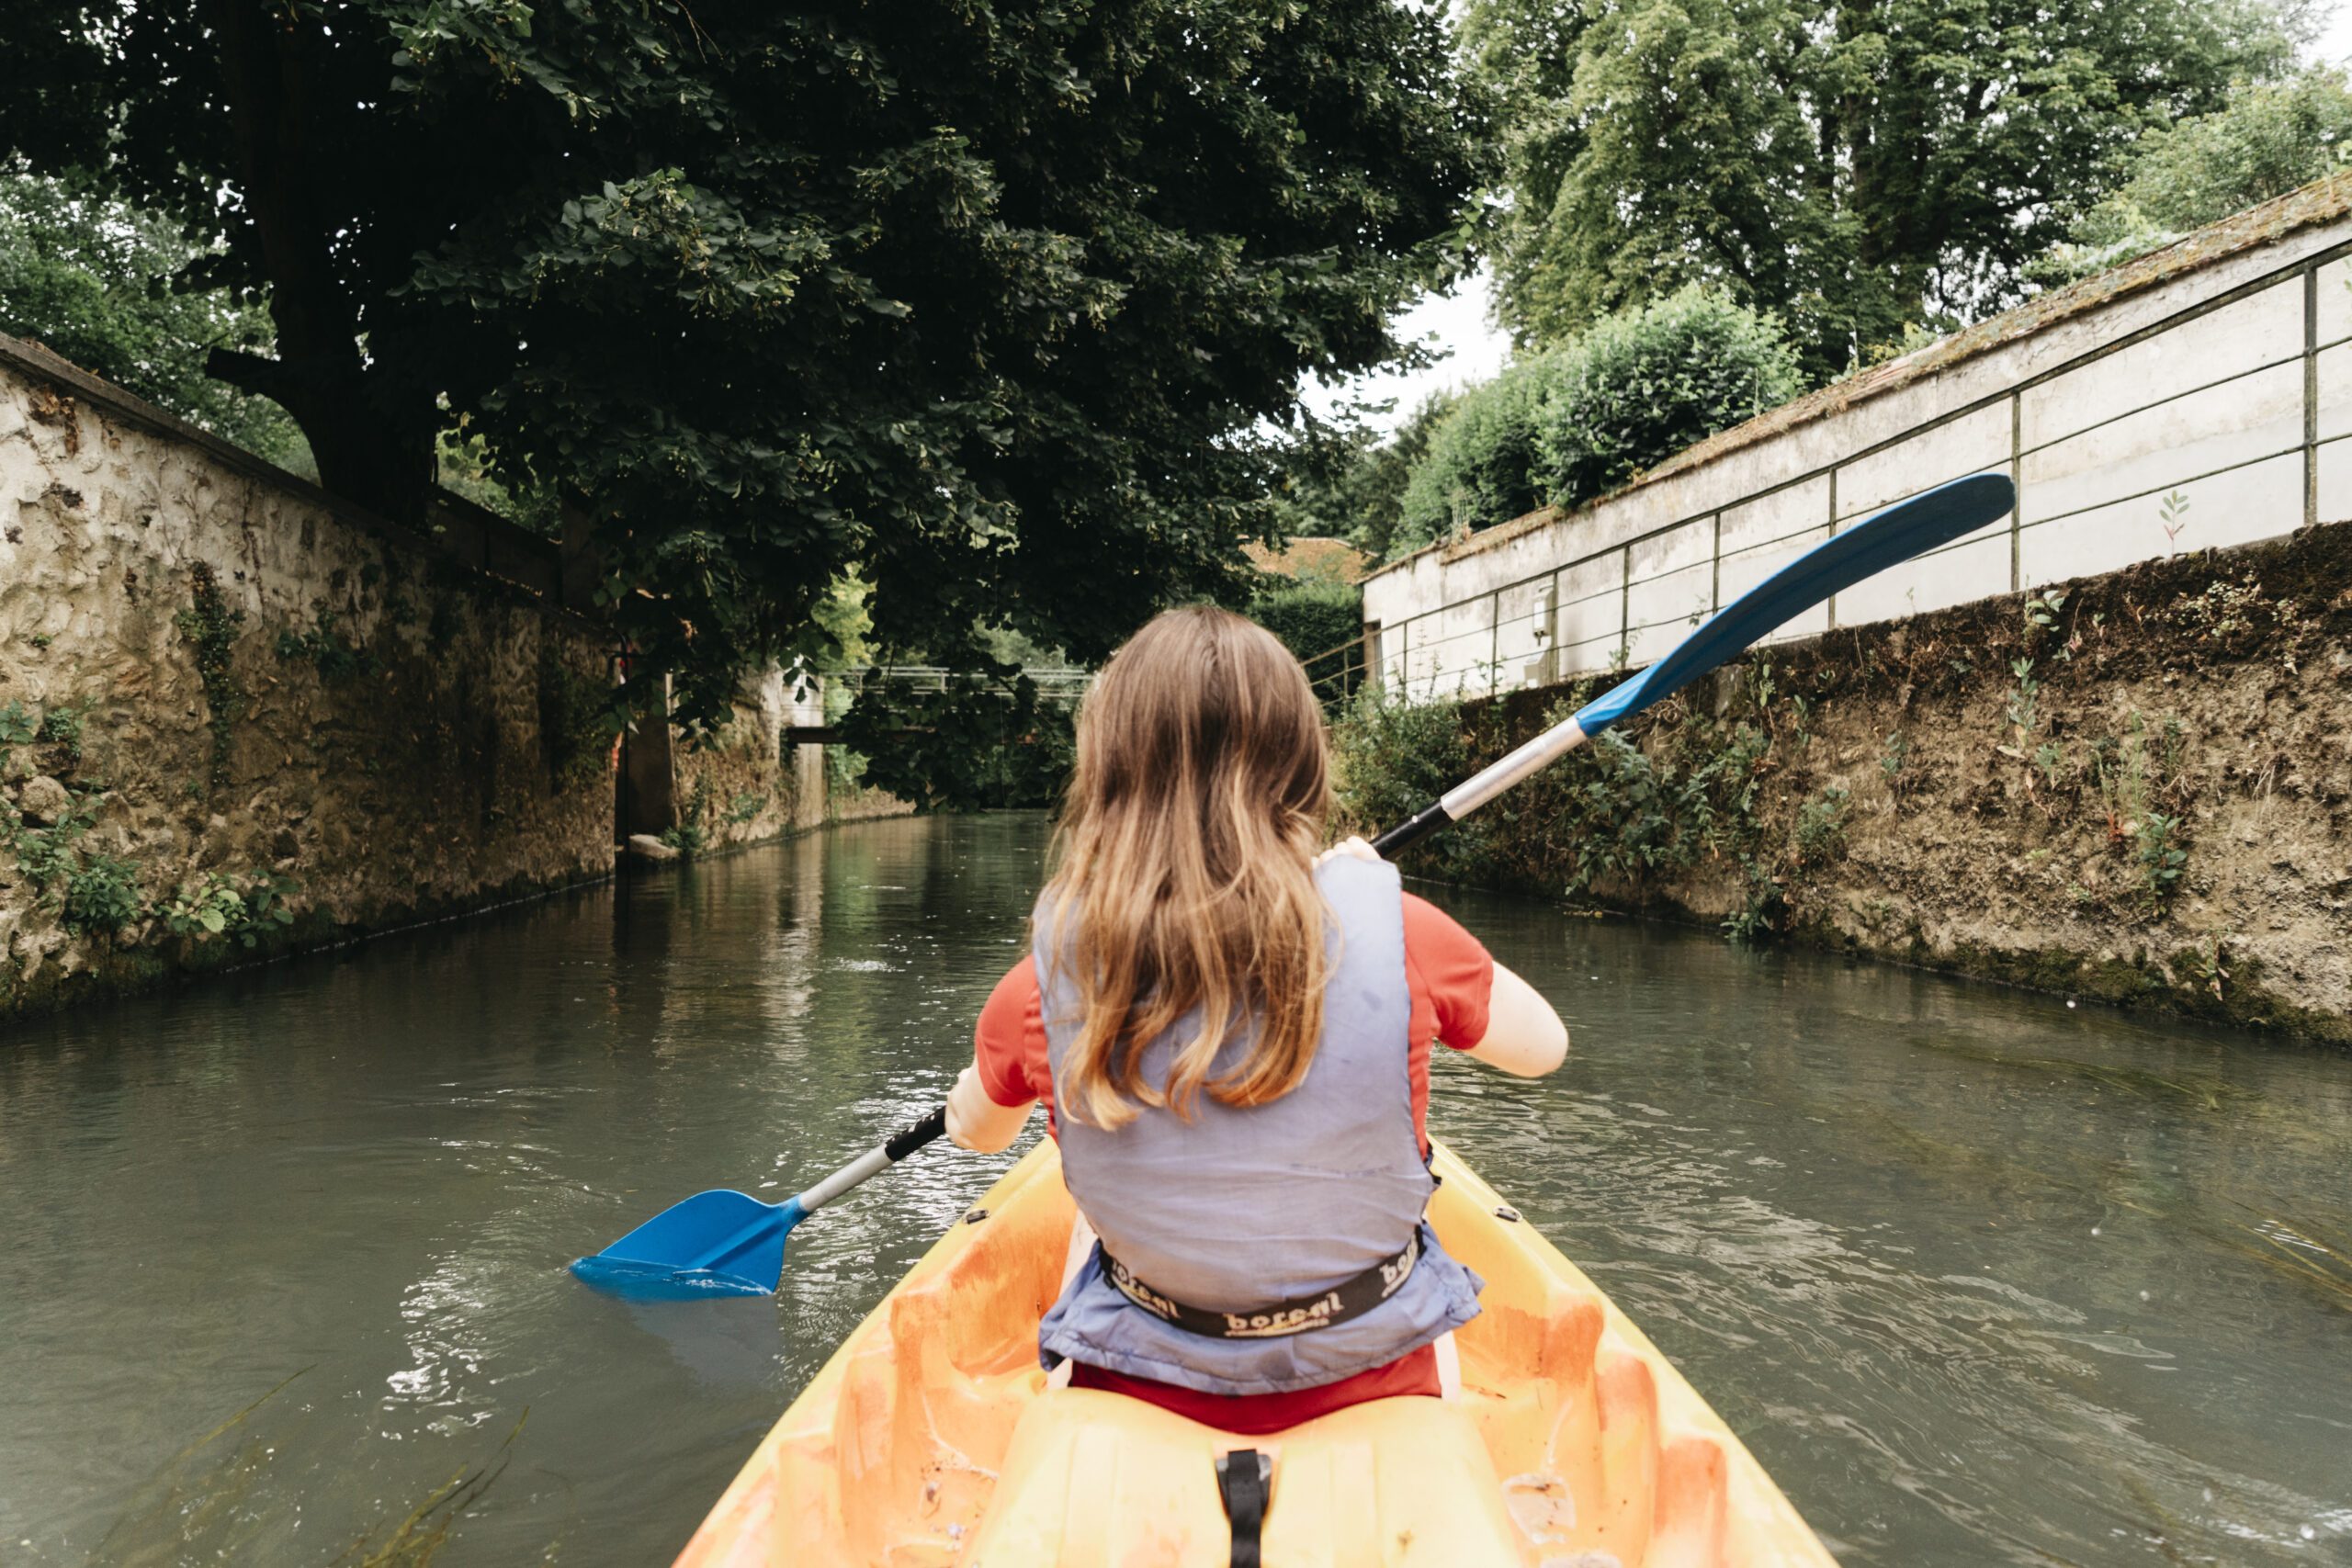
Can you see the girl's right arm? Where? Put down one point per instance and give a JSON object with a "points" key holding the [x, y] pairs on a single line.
{"points": [[1525, 1035], [1008, 1064], [976, 1121]]}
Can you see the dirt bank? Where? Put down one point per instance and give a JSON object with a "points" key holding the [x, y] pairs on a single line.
{"points": [[2132, 787]]}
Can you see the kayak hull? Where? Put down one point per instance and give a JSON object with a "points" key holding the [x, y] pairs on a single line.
{"points": [[929, 1440]]}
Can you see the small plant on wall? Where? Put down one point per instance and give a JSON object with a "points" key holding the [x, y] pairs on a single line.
{"points": [[210, 623]]}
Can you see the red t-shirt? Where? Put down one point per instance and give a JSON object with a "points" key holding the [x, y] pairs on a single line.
{"points": [[1450, 980]]}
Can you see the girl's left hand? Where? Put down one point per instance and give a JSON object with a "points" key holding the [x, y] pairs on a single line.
{"points": [[1352, 846]]}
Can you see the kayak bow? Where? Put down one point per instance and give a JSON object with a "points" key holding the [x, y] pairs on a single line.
{"points": [[930, 1438]]}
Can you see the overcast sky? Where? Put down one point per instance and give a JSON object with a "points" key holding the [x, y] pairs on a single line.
{"points": [[1474, 350]]}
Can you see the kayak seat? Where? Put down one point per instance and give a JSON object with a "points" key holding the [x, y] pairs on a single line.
{"points": [[1095, 1478]]}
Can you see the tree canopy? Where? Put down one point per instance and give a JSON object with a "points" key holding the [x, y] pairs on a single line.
{"points": [[1855, 167], [99, 282], [982, 299], [2270, 137]]}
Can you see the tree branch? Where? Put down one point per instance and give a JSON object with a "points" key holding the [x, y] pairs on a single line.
{"points": [[271, 379]]}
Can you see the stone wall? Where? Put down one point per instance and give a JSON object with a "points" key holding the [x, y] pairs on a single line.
{"points": [[2135, 788], [238, 716]]}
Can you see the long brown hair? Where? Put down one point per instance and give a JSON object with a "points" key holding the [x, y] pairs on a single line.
{"points": [[1183, 867]]}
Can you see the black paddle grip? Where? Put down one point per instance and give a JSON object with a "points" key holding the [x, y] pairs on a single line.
{"points": [[1413, 829], [915, 1134]]}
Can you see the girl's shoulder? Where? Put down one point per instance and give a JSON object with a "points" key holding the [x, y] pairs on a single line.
{"points": [[1451, 972]]}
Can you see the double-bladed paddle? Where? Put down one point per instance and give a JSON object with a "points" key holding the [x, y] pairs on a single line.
{"points": [[726, 1243]]}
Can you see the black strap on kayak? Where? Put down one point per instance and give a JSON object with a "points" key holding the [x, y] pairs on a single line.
{"points": [[1245, 1480], [1301, 1315]]}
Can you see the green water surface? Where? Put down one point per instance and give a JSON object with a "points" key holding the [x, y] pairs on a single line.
{"points": [[1980, 1278]]}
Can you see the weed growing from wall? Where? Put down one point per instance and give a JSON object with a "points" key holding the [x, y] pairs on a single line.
{"points": [[690, 835], [216, 906], [17, 728], [61, 725], [101, 896], [324, 647], [210, 624], [1820, 833]]}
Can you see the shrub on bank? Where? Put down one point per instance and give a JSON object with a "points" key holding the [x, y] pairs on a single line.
{"points": [[1311, 618], [1645, 384], [1604, 824], [1568, 426]]}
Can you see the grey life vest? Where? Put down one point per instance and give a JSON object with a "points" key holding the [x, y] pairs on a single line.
{"points": [[1242, 1208]]}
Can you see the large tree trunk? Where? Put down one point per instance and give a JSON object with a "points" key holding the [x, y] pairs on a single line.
{"points": [[370, 429]]}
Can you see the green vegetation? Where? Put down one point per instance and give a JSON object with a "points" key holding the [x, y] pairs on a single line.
{"points": [[1616, 816], [61, 725], [2269, 138], [245, 912], [1568, 425], [1863, 171], [325, 648], [1314, 618], [1820, 834], [690, 834], [984, 301], [1347, 481], [121, 292], [1643, 385], [1740, 801], [985, 741], [101, 896], [1481, 466], [211, 624]]}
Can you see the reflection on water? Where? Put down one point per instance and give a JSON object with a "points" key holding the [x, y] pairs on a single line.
{"points": [[1981, 1279]]}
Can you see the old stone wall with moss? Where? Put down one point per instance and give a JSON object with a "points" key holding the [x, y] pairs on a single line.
{"points": [[2135, 788], [235, 716]]}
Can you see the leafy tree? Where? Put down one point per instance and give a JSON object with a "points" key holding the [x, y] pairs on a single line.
{"points": [[2271, 138], [1644, 385], [1481, 466], [978, 298], [1347, 480], [1850, 167], [104, 284]]}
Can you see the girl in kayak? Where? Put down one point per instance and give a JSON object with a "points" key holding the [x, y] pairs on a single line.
{"points": [[1231, 1036]]}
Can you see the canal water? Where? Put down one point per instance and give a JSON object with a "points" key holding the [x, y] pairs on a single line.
{"points": [[1980, 1277]]}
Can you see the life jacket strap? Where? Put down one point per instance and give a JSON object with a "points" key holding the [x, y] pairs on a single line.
{"points": [[1301, 1315]]}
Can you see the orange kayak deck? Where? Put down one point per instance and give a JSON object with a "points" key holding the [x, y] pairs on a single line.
{"points": [[929, 1439]]}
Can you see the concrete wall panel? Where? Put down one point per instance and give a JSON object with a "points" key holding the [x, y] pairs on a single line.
{"points": [[1970, 444], [2210, 407]]}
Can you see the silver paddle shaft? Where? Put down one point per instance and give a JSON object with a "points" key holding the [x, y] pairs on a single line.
{"points": [[873, 1162], [1491, 780]]}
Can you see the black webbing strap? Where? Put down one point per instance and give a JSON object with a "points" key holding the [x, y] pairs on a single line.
{"points": [[1245, 1480], [1280, 1319]]}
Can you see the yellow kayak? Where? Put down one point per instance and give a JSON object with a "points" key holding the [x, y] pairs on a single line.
{"points": [[930, 1439]]}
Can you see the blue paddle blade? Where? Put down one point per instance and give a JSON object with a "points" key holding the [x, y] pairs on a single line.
{"points": [[715, 1243], [1909, 528]]}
